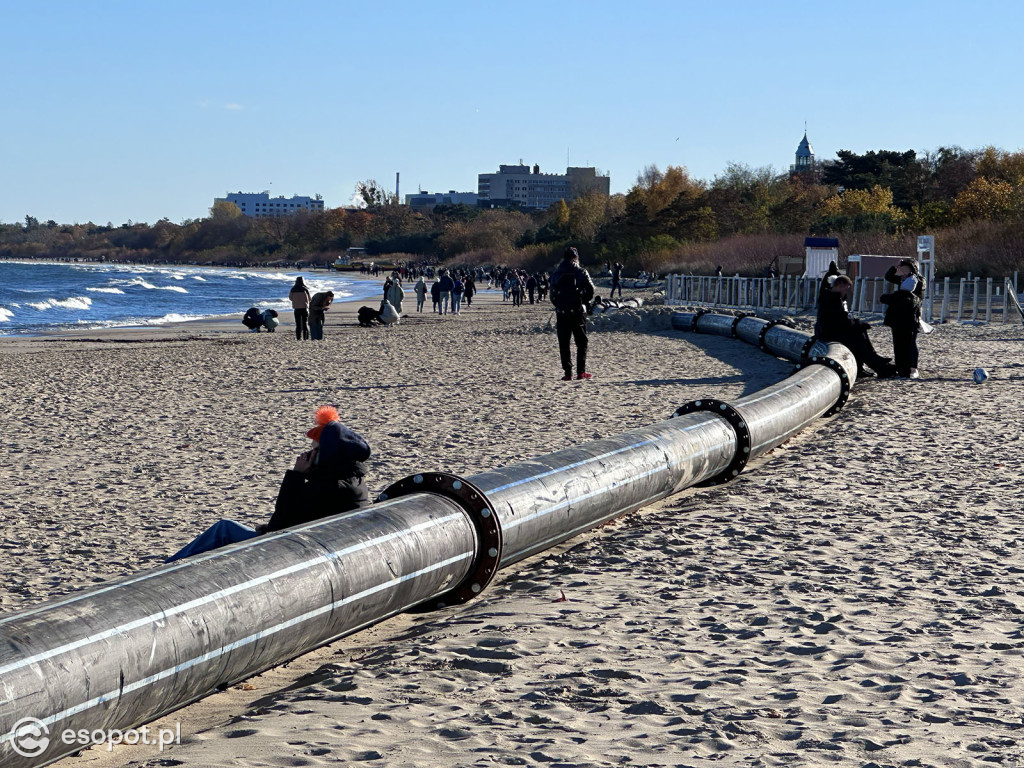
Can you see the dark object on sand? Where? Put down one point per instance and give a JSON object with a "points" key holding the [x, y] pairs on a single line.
{"points": [[369, 316]]}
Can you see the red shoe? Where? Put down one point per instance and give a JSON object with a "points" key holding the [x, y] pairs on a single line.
{"points": [[567, 377], [585, 376]]}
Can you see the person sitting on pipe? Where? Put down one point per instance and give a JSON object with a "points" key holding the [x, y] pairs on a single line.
{"points": [[835, 324], [326, 480]]}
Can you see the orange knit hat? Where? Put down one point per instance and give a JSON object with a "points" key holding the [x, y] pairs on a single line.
{"points": [[325, 414]]}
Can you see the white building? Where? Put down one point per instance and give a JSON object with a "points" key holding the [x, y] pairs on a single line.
{"points": [[523, 187], [424, 201], [259, 205]]}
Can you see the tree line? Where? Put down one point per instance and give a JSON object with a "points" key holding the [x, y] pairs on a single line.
{"points": [[743, 220]]}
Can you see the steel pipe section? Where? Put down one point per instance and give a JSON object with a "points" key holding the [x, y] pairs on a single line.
{"points": [[127, 652], [547, 500]]}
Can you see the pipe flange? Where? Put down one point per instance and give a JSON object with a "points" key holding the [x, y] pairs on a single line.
{"points": [[731, 415], [485, 521], [697, 316], [764, 332], [805, 353], [844, 380], [736, 322]]}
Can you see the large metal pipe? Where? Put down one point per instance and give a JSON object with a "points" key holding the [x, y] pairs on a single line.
{"points": [[122, 654]]}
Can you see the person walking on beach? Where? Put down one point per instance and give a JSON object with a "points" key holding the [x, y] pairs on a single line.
{"points": [[421, 293], [616, 280], [571, 289], [457, 290], [903, 315], [447, 286], [300, 298], [470, 291], [435, 295], [318, 306]]}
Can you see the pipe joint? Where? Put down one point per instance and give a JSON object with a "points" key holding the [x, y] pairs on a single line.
{"points": [[761, 343], [805, 353], [697, 316], [739, 425], [844, 380], [485, 523], [735, 323]]}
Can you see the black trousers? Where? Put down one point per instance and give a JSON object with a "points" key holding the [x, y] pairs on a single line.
{"points": [[858, 342], [301, 324], [572, 325], [904, 349]]}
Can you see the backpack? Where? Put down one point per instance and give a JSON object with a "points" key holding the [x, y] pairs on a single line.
{"points": [[565, 293]]}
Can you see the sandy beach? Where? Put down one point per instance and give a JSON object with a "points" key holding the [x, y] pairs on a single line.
{"points": [[853, 599]]}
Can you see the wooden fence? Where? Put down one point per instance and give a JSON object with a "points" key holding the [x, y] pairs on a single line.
{"points": [[970, 299]]}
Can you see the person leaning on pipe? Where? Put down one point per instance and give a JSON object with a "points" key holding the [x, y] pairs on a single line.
{"points": [[327, 479], [835, 324], [571, 290]]}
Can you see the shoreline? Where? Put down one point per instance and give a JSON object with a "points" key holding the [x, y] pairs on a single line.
{"points": [[207, 324]]}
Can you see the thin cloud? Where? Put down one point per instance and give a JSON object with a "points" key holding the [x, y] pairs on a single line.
{"points": [[234, 107]]}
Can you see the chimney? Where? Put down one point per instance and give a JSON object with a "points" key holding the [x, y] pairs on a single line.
{"points": [[398, 197]]}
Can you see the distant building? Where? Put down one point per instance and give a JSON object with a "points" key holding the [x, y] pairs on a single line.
{"points": [[425, 201], [804, 157], [523, 187], [260, 205]]}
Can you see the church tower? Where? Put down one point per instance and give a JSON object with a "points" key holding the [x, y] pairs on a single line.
{"points": [[804, 157]]}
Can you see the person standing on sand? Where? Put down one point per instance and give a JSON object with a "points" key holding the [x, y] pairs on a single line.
{"points": [[470, 290], [394, 293], [300, 298], [903, 315], [571, 290], [421, 293], [318, 306]]}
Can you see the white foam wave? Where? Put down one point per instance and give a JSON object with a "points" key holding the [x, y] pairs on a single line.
{"points": [[173, 317], [5, 315], [105, 290], [175, 288], [73, 302], [200, 278]]}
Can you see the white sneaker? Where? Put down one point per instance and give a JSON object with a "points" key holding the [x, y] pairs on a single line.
{"points": [[914, 374]]}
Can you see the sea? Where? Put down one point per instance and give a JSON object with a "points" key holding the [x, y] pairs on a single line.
{"points": [[44, 297]]}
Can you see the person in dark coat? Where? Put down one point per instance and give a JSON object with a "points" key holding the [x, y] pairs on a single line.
{"points": [[835, 324], [571, 291], [326, 480], [903, 315]]}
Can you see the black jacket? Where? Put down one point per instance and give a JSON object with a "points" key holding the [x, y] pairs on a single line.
{"points": [[334, 485], [834, 321], [902, 308], [571, 288]]}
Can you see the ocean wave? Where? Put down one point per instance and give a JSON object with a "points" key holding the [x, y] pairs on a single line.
{"points": [[200, 278], [173, 317], [175, 288], [105, 290], [5, 315], [73, 302]]}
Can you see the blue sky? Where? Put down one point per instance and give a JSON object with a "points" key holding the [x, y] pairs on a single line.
{"points": [[117, 111]]}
